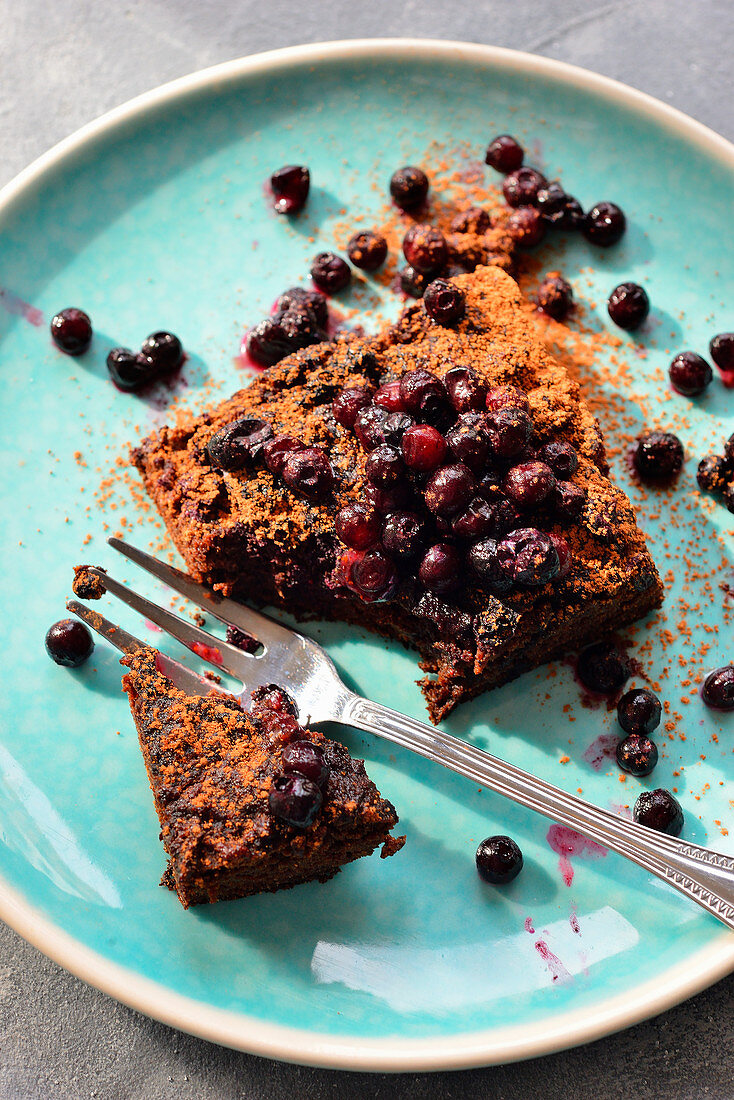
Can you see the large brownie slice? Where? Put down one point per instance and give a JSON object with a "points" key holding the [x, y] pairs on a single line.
{"points": [[242, 529], [212, 768]]}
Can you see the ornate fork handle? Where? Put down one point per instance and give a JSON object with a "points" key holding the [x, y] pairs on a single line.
{"points": [[703, 875]]}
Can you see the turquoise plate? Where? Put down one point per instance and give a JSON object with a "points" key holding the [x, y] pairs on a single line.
{"points": [[155, 217]]}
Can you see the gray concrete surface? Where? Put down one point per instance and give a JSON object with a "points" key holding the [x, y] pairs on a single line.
{"points": [[60, 66]]}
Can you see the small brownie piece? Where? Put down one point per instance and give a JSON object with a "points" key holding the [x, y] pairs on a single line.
{"points": [[218, 775], [443, 427]]}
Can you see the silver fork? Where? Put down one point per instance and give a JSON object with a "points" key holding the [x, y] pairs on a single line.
{"points": [[307, 673]]}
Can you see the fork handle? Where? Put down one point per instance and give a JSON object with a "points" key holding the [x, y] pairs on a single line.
{"points": [[701, 874]]}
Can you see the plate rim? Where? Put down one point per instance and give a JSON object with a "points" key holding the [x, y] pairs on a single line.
{"points": [[239, 1030]]}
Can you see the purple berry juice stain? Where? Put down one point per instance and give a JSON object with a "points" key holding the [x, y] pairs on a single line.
{"points": [[567, 843]]}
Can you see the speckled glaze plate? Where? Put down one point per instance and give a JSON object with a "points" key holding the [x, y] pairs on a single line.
{"points": [[155, 217]]}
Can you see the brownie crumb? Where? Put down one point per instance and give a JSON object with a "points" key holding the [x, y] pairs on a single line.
{"points": [[88, 585]]}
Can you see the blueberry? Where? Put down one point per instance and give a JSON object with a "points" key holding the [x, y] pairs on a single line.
{"points": [[71, 331], [69, 643], [295, 799], [499, 860], [659, 810]]}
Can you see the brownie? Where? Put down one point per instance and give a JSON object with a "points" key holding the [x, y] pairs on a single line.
{"points": [[212, 767], [246, 533]]}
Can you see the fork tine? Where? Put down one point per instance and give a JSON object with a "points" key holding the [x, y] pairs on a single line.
{"points": [[266, 630], [213, 650], [182, 677]]}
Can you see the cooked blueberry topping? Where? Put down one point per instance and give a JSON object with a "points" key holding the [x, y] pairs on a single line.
{"points": [[309, 472], [527, 226], [529, 484], [384, 466], [440, 568], [164, 350], [562, 458], [238, 444], [529, 556], [637, 755], [403, 534], [367, 250], [722, 351], [568, 501], [521, 187], [298, 298], [509, 430], [129, 371], [628, 305], [278, 450], [565, 557], [272, 697], [450, 489], [504, 154], [373, 575], [306, 759], [718, 688], [713, 474], [300, 327], [424, 448], [476, 522], [295, 800], [604, 224], [267, 342], [499, 860], [639, 711], [71, 331], [485, 560], [388, 396], [330, 272], [243, 641], [290, 188], [469, 441], [555, 297], [444, 302], [409, 187], [369, 426], [358, 526], [412, 282], [423, 393], [573, 215], [552, 202], [425, 249], [475, 220], [658, 456], [69, 643], [348, 403], [507, 397], [395, 427], [603, 668], [467, 392], [660, 810], [690, 374]]}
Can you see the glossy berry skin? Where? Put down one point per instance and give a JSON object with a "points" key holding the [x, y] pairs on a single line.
{"points": [[485, 561], [568, 501], [395, 426], [373, 576], [369, 426], [409, 187], [565, 557], [424, 448], [529, 556], [267, 343], [330, 272], [717, 691], [71, 331], [412, 282], [562, 458], [298, 298], [69, 643], [127, 370], [628, 306], [347, 404], [713, 474], [444, 302], [358, 526], [509, 430], [659, 810], [450, 489], [475, 220], [637, 755], [499, 860], [403, 535], [309, 473], [295, 800], [425, 249], [388, 397], [529, 484], [440, 568], [603, 668], [469, 441], [604, 224], [367, 250], [467, 392], [165, 351], [690, 374], [424, 394], [384, 466], [306, 759], [504, 154], [527, 227], [573, 215], [722, 351], [507, 397], [639, 711], [476, 522], [238, 444], [658, 456], [555, 297], [290, 186], [277, 451], [521, 187]]}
